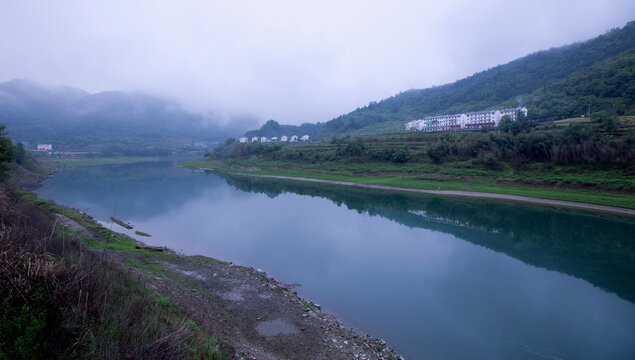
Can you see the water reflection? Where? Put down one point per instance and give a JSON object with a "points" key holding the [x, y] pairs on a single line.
{"points": [[597, 248], [438, 278]]}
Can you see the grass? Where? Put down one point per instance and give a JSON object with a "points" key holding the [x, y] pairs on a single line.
{"points": [[94, 161], [548, 185]]}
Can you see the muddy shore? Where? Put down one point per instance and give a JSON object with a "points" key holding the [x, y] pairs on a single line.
{"points": [[251, 315]]}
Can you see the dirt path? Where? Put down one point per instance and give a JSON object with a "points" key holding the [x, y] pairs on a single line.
{"points": [[573, 204]]}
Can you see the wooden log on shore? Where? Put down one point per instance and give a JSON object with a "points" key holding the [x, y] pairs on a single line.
{"points": [[155, 248]]}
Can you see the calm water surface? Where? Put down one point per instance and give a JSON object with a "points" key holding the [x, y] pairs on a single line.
{"points": [[438, 278]]}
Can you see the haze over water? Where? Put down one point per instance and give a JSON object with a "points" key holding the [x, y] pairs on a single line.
{"points": [[438, 278]]}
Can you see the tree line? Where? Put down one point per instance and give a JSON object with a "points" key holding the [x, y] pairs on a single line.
{"points": [[517, 142]]}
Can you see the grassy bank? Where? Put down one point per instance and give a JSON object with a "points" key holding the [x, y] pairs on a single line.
{"points": [[94, 161], [437, 177], [62, 298], [571, 160]]}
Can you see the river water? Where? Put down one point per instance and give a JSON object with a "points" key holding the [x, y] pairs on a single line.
{"points": [[438, 278]]}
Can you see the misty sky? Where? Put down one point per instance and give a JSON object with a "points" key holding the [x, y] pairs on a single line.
{"points": [[293, 61]]}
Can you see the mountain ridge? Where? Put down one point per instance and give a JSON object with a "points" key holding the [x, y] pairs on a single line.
{"points": [[72, 118], [508, 85]]}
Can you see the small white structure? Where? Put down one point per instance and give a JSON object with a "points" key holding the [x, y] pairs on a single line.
{"points": [[274, 139], [305, 138], [243, 140], [294, 138], [284, 138], [44, 147], [264, 139], [254, 139]]}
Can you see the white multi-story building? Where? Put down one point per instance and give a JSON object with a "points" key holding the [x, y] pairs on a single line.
{"points": [[243, 140], [44, 147], [294, 138], [305, 138], [284, 138], [254, 139], [473, 120], [264, 139]]}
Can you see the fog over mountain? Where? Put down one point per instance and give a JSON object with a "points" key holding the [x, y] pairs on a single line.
{"points": [[291, 61], [73, 118]]}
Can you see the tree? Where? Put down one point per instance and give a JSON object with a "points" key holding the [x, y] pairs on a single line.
{"points": [[19, 153], [435, 153], [505, 124], [7, 150], [401, 156]]}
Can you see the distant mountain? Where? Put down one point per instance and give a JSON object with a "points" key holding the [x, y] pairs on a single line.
{"points": [[273, 128], [554, 83], [71, 118]]}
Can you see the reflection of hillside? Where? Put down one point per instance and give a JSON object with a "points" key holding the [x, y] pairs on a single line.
{"points": [[598, 249], [152, 188]]}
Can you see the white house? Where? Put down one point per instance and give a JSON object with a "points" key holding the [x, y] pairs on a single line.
{"points": [[44, 147], [264, 139], [305, 138], [254, 139], [294, 138], [243, 140], [284, 138], [274, 139], [473, 120]]}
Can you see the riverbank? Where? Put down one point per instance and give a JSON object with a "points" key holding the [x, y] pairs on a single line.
{"points": [[579, 198], [245, 313]]}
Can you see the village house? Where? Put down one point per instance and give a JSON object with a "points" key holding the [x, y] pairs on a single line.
{"points": [[264, 139], [243, 140], [284, 138], [254, 139], [305, 138], [44, 147], [294, 138]]}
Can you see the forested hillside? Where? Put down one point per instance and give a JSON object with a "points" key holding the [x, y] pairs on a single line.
{"points": [[71, 118], [555, 83]]}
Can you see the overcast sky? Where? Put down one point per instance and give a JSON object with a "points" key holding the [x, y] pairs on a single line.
{"points": [[294, 61]]}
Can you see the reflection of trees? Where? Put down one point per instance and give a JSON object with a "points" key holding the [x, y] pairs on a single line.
{"points": [[599, 249]]}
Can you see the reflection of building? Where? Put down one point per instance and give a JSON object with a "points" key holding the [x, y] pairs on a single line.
{"points": [[473, 120], [44, 147]]}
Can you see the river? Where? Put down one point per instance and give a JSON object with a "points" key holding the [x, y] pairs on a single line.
{"points": [[437, 278]]}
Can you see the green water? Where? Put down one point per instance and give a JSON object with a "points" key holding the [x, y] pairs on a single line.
{"points": [[438, 278]]}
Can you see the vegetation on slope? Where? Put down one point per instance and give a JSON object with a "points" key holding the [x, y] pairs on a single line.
{"points": [[553, 84], [60, 299]]}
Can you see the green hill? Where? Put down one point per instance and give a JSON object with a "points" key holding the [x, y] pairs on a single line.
{"points": [[555, 83]]}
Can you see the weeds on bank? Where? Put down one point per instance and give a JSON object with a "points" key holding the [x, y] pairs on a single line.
{"points": [[60, 299]]}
